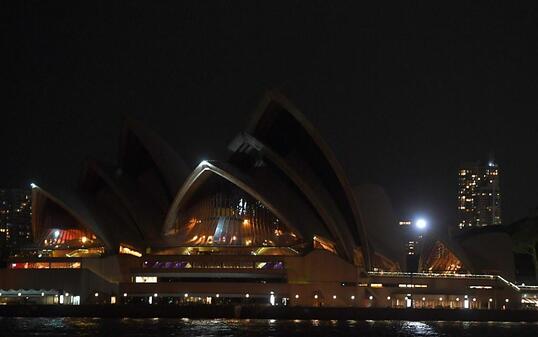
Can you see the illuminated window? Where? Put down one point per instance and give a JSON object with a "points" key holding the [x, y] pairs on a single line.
{"points": [[322, 243], [146, 279], [270, 265], [403, 285], [45, 265], [65, 265], [129, 251]]}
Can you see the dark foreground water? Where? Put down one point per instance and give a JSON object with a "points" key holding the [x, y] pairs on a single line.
{"points": [[260, 328]]}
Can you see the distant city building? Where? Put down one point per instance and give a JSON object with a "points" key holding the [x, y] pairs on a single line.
{"points": [[15, 219], [412, 241], [479, 197], [411, 238]]}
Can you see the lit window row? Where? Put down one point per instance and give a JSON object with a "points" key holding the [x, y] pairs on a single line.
{"points": [[403, 285], [145, 279], [278, 265], [45, 265], [480, 287]]}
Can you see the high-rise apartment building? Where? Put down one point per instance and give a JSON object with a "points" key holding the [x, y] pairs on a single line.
{"points": [[15, 219], [479, 197]]}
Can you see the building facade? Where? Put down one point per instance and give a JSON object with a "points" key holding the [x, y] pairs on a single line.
{"points": [[479, 196]]}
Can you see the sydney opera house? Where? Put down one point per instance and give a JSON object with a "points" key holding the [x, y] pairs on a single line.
{"points": [[277, 223]]}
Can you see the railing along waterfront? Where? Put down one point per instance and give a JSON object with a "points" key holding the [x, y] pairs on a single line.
{"points": [[447, 276]]}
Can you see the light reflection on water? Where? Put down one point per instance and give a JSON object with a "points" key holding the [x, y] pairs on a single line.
{"points": [[419, 329], [130, 327]]}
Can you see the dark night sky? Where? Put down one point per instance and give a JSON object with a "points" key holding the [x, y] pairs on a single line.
{"points": [[403, 94]]}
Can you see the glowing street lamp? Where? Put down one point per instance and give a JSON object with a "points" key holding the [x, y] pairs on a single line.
{"points": [[421, 224]]}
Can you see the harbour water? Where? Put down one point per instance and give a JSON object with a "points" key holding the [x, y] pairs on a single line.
{"points": [[127, 327]]}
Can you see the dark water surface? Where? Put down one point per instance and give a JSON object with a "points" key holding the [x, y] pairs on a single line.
{"points": [[128, 327]]}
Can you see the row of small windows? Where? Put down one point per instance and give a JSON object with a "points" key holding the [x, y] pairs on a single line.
{"points": [[45, 265], [268, 265]]}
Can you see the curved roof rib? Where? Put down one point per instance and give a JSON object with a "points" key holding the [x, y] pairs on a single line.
{"points": [[74, 207], [380, 223], [283, 127], [137, 140], [231, 174], [134, 208], [316, 194]]}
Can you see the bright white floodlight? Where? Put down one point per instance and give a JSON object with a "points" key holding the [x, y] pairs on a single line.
{"points": [[421, 224]]}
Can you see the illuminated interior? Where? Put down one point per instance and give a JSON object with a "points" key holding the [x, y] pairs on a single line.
{"points": [[222, 215], [80, 252], [322, 243], [45, 265], [68, 238], [220, 250], [220, 264], [125, 249], [442, 260], [62, 234]]}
